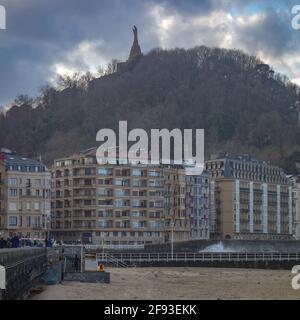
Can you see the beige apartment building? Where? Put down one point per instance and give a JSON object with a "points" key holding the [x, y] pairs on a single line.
{"points": [[25, 196], [117, 204], [250, 200]]}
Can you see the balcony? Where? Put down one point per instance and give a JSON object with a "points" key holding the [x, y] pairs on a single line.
{"points": [[122, 183], [84, 206], [84, 196], [84, 174], [36, 227], [106, 203], [67, 195], [83, 185], [84, 216], [105, 172], [106, 193], [155, 185], [139, 193]]}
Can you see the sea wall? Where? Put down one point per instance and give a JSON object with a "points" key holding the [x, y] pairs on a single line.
{"points": [[23, 267], [287, 246]]}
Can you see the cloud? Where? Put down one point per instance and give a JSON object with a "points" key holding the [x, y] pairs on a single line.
{"points": [[53, 36], [86, 56]]}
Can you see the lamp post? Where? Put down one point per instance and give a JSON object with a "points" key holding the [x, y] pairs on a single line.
{"points": [[172, 238]]}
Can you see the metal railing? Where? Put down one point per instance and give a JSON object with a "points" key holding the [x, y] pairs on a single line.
{"points": [[114, 246], [197, 257], [117, 262]]}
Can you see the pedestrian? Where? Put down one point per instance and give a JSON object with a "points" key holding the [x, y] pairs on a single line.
{"points": [[15, 241], [8, 243], [76, 263], [2, 243]]}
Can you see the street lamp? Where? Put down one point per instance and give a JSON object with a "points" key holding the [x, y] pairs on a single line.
{"points": [[172, 238]]}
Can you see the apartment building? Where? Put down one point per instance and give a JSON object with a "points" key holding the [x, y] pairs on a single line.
{"points": [[117, 204], [249, 199], [197, 205], [2, 191], [25, 196], [295, 180]]}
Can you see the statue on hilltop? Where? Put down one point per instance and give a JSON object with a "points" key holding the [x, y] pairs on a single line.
{"points": [[135, 49], [135, 53]]}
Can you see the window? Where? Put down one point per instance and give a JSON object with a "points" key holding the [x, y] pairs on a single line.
{"points": [[136, 172], [12, 206], [36, 206], [13, 192], [154, 174], [28, 221], [135, 224], [37, 183], [105, 171], [13, 221], [12, 181], [37, 222]]}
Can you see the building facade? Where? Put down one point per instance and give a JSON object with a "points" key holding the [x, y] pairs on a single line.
{"points": [[197, 205], [117, 204], [25, 196], [250, 200], [295, 180], [2, 192]]}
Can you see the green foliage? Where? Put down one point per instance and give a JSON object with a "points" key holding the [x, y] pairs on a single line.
{"points": [[242, 104]]}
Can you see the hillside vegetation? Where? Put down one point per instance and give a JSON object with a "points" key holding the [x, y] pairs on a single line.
{"points": [[243, 105]]}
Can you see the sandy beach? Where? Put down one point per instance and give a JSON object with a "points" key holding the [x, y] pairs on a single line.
{"points": [[179, 283]]}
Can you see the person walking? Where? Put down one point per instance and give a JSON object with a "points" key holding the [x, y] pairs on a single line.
{"points": [[76, 263], [2, 243]]}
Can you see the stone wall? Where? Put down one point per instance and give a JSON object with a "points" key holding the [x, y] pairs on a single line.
{"points": [[23, 267]]}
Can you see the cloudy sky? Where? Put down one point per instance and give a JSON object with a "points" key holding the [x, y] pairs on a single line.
{"points": [[49, 37]]}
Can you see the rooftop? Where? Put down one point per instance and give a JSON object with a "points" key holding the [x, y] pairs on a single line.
{"points": [[15, 162]]}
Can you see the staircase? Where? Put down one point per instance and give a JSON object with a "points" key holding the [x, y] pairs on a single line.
{"points": [[117, 263]]}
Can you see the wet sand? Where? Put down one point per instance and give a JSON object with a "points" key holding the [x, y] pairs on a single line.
{"points": [[179, 283]]}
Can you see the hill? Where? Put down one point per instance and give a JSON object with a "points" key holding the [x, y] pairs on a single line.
{"points": [[244, 106]]}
